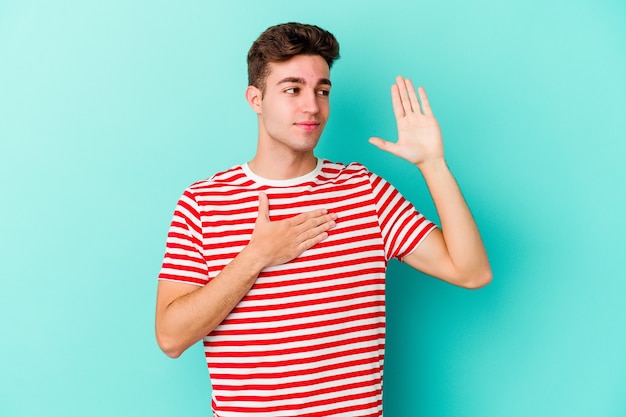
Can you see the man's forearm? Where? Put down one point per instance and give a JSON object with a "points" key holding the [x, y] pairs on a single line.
{"points": [[462, 238], [190, 317]]}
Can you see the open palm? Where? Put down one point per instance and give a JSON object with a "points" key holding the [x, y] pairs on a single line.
{"points": [[419, 135]]}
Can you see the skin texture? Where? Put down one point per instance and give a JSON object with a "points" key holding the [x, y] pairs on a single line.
{"points": [[292, 111]]}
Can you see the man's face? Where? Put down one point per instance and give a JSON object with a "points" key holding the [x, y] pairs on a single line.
{"points": [[295, 105]]}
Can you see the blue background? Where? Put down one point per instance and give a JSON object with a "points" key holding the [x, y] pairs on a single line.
{"points": [[108, 110]]}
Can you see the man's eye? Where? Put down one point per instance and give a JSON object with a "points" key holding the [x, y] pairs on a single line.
{"points": [[292, 90], [324, 92]]}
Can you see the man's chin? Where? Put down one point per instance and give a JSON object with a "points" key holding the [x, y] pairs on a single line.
{"points": [[305, 144]]}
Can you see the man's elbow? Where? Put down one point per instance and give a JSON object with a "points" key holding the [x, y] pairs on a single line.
{"points": [[169, 346], [477, 279]]}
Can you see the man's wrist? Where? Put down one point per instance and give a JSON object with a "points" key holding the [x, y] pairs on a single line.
{"points": [[251, 260], [432, 165]]}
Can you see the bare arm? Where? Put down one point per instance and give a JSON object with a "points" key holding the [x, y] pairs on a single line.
{"points": [[186, 313], [455, 253]]}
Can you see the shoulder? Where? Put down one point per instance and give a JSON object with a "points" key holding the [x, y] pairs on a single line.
{"points": [[232, 177], [216, 188]]}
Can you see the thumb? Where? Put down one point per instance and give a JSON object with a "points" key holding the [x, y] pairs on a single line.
{"points": [[264, 207], [381, 143], [391, 147]]}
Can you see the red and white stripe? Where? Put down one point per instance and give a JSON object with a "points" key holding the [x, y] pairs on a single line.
{"points": [[309, 337]]}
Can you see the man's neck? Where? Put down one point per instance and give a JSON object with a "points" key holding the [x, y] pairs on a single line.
{"points": [[282, 167]]}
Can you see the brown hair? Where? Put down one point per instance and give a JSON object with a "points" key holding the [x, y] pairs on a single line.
{"points": [[281, 42]]}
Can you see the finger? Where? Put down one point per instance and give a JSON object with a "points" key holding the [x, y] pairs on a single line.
{"points": [[425, 103], [264, 209], [398, 108], [325, 226], [316, 224], [404, 94], [302, 218], [383, 145], [316, 234], [378, 142], [309, 243], [415, 104]]}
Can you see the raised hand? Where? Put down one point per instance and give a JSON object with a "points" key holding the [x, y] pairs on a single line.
{"points": [[278, 242], [419, 135]]}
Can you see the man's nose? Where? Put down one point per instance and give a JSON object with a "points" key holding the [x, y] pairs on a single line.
{"points": [[309, 102]]}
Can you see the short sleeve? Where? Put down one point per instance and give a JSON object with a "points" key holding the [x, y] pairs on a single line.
{"points": [[403, 227], [183, 260]]}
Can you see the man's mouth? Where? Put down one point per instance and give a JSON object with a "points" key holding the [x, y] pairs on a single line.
{"points": [[308, 125]]}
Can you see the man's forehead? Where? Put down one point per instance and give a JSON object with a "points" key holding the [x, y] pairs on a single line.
{"points": [[304, 69]]}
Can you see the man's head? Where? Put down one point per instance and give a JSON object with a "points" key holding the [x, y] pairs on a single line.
{"points": [[282, 42]]}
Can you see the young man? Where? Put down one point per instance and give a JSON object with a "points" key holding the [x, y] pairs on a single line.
{"points": [[279, 264]]}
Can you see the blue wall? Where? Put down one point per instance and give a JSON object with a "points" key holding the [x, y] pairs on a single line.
{"points": [[109, 109]]}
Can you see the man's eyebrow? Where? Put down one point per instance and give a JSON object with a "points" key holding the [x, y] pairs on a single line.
{"points": [[298, 80], [295, 80]]}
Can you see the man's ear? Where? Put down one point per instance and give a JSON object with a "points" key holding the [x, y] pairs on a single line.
{"points": [[254, 97]]}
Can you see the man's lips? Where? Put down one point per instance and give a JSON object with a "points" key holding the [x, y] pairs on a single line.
{"points": [[308, 125]]}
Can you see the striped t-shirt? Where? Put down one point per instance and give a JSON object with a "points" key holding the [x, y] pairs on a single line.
{"points": [[309, 337]]}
